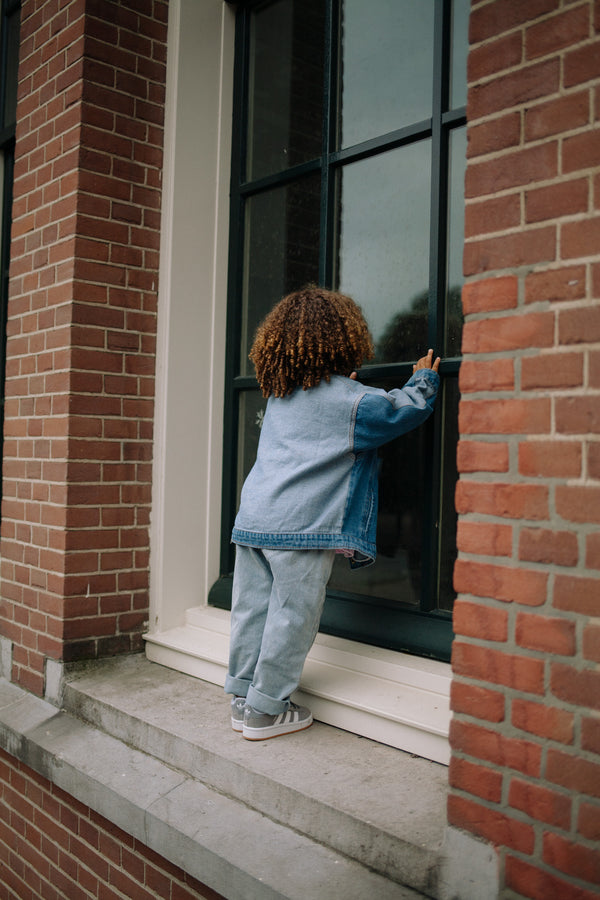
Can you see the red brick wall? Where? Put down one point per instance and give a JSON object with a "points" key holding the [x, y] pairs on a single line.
{"points": [[52, 847], [81, 330], [525, 771]]}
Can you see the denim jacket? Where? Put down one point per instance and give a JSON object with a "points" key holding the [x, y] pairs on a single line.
{"points": [[314, 482]]}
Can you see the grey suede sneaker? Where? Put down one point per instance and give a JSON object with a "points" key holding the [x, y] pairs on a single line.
{"points": [[260, 726], [238, 705]]}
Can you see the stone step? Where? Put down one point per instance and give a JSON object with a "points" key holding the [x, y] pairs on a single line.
{"points": [[372, 804], [235, 850]]}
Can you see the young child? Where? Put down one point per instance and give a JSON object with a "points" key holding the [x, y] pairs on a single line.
{"points": [[312, 492]]}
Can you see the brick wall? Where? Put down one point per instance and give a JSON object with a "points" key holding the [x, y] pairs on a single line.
{"points": [[525, 771], [53, 847], [81, 330]]}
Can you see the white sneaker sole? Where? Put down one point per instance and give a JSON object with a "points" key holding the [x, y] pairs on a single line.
{"points": [[271, 731]]}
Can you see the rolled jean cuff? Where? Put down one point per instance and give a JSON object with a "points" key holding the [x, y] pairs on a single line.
{"points": [[237, 686], [265, 704]]}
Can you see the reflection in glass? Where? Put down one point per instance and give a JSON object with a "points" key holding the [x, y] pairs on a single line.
{"points": [[281, 252], [12, 63], [285, 84], [456, 230], [386, 66], [448, 516], [459, 48], [396, 573], [383, 245], [251, 411]]}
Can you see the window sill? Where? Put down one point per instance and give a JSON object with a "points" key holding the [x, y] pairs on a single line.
{"points": [[150, 749], [390, 697]]}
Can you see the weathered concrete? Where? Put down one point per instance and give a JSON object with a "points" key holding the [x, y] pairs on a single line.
{"points": [[319, 814], [372, 803], [234, 849]]}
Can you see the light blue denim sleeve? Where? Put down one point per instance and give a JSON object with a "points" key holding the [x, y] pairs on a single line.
{"points": [[382, 416]]}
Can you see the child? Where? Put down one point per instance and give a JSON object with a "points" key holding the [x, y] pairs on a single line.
{"points": [[312, 492]]}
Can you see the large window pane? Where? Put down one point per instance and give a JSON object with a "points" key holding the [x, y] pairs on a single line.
{"points": [[281, 252], [285, 82], [12, 63], [386, 66], [252, 407], [396, 574], [383, 248]]}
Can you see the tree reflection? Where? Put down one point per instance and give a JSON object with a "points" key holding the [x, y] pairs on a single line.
{"points": [[405, 336], [404, 471]]}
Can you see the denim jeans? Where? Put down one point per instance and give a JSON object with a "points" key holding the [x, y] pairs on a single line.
{"points": [[277, 601]]}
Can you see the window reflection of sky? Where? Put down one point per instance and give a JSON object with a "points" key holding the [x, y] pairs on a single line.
{"points": [[384, 232], [386, 83], [386, 67], [384, 202]]}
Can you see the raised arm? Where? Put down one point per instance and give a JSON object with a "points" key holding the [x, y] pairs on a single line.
{"points": [[382, 416]]}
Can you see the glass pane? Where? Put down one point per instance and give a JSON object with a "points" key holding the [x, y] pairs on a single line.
{"points": [[285, 85], [448, 516], [12, 63], [386, 66], [396, 573], [251, 411], [456, 231], [281, 252], [383, 246], [459, 50]]}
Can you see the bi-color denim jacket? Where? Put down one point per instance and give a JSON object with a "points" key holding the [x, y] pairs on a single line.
{"points": [[314, 482]]}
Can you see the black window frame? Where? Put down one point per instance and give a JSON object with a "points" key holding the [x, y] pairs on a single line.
{"points": [[425, 631]]}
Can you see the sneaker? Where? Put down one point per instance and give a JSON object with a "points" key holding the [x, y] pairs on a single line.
{"points": [[259, 726], [238, 705]]}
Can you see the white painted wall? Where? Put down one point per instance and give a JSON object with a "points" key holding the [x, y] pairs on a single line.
{"points": [[192, 309]]}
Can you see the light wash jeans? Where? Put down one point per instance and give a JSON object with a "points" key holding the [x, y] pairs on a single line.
{"points": [[277, 601]]}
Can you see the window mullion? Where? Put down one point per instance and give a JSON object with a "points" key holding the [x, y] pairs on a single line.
{"points": [[235, 279], [437, 287], [328, 225], [439, 176]]}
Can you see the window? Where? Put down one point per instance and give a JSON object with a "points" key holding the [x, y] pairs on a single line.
{"points": [[9, 61], [348, 171]]}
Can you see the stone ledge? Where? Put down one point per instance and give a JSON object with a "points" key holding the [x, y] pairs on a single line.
{"points": [[151, 749], [375, 804], [235, 850]]}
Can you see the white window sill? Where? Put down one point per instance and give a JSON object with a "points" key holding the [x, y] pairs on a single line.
{"points": [[393, 698]]}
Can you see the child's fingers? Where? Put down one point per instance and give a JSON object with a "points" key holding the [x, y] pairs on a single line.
{"points": [[426, 362]]}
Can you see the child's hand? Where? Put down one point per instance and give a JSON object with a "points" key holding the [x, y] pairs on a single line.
{"points": [[426, 362], [353, 375]]}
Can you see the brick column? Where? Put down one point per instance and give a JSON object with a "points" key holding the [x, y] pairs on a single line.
{"points": [[525, 771], [81, 331]]}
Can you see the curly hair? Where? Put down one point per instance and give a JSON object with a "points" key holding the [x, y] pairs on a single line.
{"points": [[311, 334]]}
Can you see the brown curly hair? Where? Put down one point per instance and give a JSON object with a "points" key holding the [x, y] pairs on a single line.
{"points": [[311, 334]]}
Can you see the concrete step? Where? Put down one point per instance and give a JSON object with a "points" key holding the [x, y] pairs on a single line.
{"points": [[235, 850], [372, 804]]}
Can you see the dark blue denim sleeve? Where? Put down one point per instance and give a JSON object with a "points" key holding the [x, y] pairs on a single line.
{"points": [[382, 416]]}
